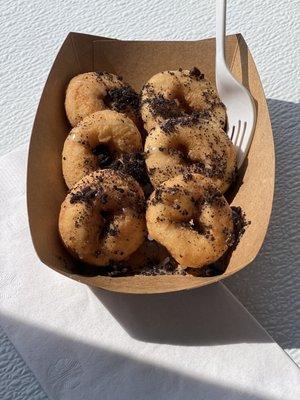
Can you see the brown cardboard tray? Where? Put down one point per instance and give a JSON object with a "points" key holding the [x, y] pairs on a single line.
{"points": [[137, 61]]}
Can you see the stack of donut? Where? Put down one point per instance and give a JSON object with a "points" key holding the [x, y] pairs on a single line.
{"points": [[102, 218], [189, 158]]}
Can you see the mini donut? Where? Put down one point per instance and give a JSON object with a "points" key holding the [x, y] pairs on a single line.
{"points": [[172, 94], [191, 218], [96, 141], [192, 144], [96, 91], [102, 219]]}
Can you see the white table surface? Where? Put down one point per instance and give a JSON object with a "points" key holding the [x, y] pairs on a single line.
{"points": [[31, 33]]}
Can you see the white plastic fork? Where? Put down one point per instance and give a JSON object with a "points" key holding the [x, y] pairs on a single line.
{"points": [[240, 108]]}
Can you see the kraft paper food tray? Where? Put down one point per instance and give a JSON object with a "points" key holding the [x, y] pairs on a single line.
{"points": [[137, 61]]}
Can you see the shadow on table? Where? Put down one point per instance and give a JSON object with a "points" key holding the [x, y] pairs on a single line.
{"points": [[74, 369], [205, 316], [270, 288]]}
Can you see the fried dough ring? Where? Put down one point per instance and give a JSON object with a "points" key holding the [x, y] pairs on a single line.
{"points": [[97, 136], [96, 91], [190, 144], [173, 94], [191, 218], [102, 219]]}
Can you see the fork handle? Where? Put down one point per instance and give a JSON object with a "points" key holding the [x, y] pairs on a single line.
{"points": [[220, 31]]}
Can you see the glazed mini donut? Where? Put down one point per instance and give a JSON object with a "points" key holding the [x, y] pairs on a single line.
{"points": [[172, 94], [191, 218], [191, 144], [96, 91], [102, 219], [96, 141]]}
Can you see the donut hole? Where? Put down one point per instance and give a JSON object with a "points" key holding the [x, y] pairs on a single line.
{"points": [[104, 155], [196, 225], [108, 226], [107, 100], [183, 104], [183, 151]]}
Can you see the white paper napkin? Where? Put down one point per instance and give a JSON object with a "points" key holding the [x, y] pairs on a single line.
{"points": [[85, 344]]}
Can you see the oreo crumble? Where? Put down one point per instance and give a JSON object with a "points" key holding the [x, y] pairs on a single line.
{"points": [[134, 165], [240, 224], [123, 99], [83, 196], [196, 73], [104, 156], [164, 108]]}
